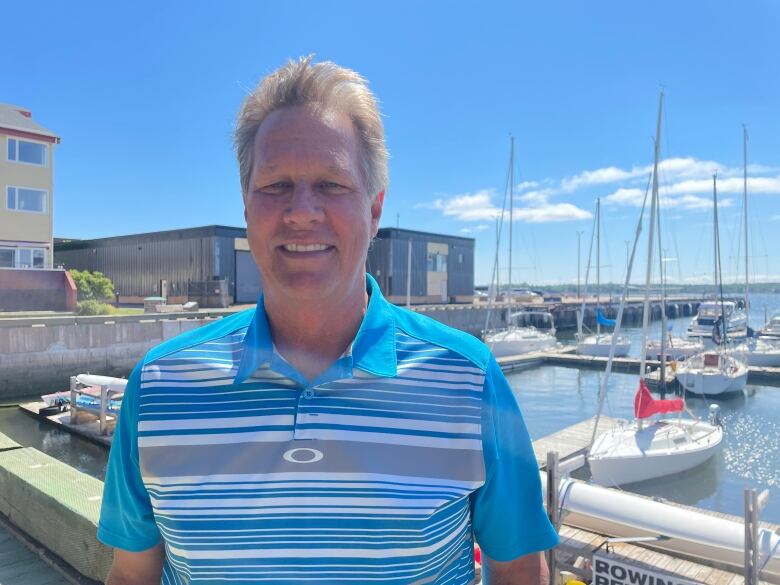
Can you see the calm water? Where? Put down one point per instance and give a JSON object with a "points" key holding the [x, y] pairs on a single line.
{"points": [[553, 398], [30, 432]]}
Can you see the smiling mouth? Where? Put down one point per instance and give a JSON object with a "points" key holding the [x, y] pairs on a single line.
{"points": [[300, 248]]}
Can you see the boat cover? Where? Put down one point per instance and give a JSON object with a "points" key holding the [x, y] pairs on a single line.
{"points": [[603, 320], [646, 406]]}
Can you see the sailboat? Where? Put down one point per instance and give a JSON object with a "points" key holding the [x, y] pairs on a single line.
{"points": [[755, 351], [638, 450], [598, 344], [714, 372], [516, 339]]}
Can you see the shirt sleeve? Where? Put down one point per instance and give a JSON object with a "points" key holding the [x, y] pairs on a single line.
{"points": [[126, 516], [508, 514]]}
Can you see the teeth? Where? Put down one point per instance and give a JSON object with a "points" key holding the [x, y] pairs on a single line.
{"points": [[305, 247]]}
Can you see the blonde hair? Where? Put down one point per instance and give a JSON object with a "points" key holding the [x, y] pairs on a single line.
{"points": [[324, 85]]}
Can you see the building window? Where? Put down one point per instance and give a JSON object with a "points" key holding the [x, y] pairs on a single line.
{"points": [[22, 199], [22, 257], [7, 258], [437, 262], [24, 151]]}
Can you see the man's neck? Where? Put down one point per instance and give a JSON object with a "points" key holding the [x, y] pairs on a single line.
{"points": [[312, 336]]}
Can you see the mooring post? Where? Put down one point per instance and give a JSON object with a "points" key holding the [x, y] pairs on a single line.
{"points": [[74, 414], [103, 408], [553, 477]]}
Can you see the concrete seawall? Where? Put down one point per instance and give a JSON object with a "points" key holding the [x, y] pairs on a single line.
{"points": [[39, 355]]}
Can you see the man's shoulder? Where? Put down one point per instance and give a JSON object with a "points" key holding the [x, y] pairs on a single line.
{"points": [[213, 331], [426, 329]]}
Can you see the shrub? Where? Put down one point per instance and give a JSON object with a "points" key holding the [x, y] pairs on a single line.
{"points": [[93, 286], [93, 307]]}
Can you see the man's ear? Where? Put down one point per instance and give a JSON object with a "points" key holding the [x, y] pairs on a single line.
{"points": [[376, 212]]}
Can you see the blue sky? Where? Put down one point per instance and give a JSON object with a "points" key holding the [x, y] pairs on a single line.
{"points": [[144, 95]]}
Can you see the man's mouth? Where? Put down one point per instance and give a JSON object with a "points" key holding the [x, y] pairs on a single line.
{"points": [[306, 247]]}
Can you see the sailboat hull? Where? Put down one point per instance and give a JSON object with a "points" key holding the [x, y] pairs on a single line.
{"points": [[726, 376], [599, 345], [628, 454], [519, 340]]}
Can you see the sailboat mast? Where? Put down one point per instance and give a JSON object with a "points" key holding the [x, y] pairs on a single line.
{"points": [[718, 275], [598, 265], [745, 206], [650, 244], [511, 206]]}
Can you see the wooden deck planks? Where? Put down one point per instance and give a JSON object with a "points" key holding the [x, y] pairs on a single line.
{"points": [[571, 441], [19, 565]]}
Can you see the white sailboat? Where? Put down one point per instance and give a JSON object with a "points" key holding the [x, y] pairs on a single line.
{"points": [[598, 343], [761, 352], [515, 339], [636, 450], [674, 348], [715, 372]]}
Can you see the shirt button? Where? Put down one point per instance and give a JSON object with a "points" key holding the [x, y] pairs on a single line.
{"points": [[308, 394]]}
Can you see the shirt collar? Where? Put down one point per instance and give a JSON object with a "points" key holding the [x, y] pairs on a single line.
{"points": [[373, 349]]}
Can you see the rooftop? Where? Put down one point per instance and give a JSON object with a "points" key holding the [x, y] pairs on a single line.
{"points": [[20, 119]]}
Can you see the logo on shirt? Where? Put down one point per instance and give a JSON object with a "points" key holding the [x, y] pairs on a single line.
{"points": [[303, 455]]}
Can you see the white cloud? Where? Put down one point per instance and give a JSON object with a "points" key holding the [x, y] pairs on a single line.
{"points": [[466, 207], [596, 177], [479, 206], [551, 212], [477, 228]]}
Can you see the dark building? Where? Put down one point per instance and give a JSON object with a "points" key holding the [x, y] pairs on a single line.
{"points": [[441, 266], [167, 263], [172, 263]]}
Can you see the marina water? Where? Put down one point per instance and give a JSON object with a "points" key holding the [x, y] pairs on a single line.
{"points": [[553, 398]]}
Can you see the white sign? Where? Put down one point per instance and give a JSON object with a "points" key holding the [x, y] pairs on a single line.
{"points": [[611, 570]]}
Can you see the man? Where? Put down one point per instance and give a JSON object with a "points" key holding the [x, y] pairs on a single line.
{"points": [[325, 436]]}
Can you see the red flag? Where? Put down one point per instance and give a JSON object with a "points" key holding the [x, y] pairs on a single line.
{"points": [[645, 405]]}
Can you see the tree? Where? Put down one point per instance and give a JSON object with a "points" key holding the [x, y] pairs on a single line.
{"points": [[93, 286]]}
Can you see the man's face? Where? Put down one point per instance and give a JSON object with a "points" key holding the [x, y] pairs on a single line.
{"points": [[309, 217]]}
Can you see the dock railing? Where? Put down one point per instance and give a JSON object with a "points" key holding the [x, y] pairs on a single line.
{"points": [[754, 503]]}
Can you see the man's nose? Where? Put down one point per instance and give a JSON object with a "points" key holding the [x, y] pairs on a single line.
{"points": [[304, 206]]}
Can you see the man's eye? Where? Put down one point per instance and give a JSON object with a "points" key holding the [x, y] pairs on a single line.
{"points": [[274, 188], [332, 187]]}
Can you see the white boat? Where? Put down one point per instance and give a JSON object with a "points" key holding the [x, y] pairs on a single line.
{"points": [[761, 352], [640, 450], [772, 327], [712, 373], [633, 452], [518, 338], [710, 312], [599, 345], [676, 348]]}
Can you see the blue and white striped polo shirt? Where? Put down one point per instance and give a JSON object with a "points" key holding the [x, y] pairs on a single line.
{"points": [[383, 470]]}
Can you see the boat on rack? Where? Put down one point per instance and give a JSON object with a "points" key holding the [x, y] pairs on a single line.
{"points": [[598, 343], [647, 448], [88, 396]]}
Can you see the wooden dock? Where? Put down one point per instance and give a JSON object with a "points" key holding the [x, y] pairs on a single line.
{"points": [[576, 545], [571, 441]]}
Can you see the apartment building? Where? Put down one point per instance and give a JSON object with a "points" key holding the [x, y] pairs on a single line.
{"points": [[26, 190]]}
